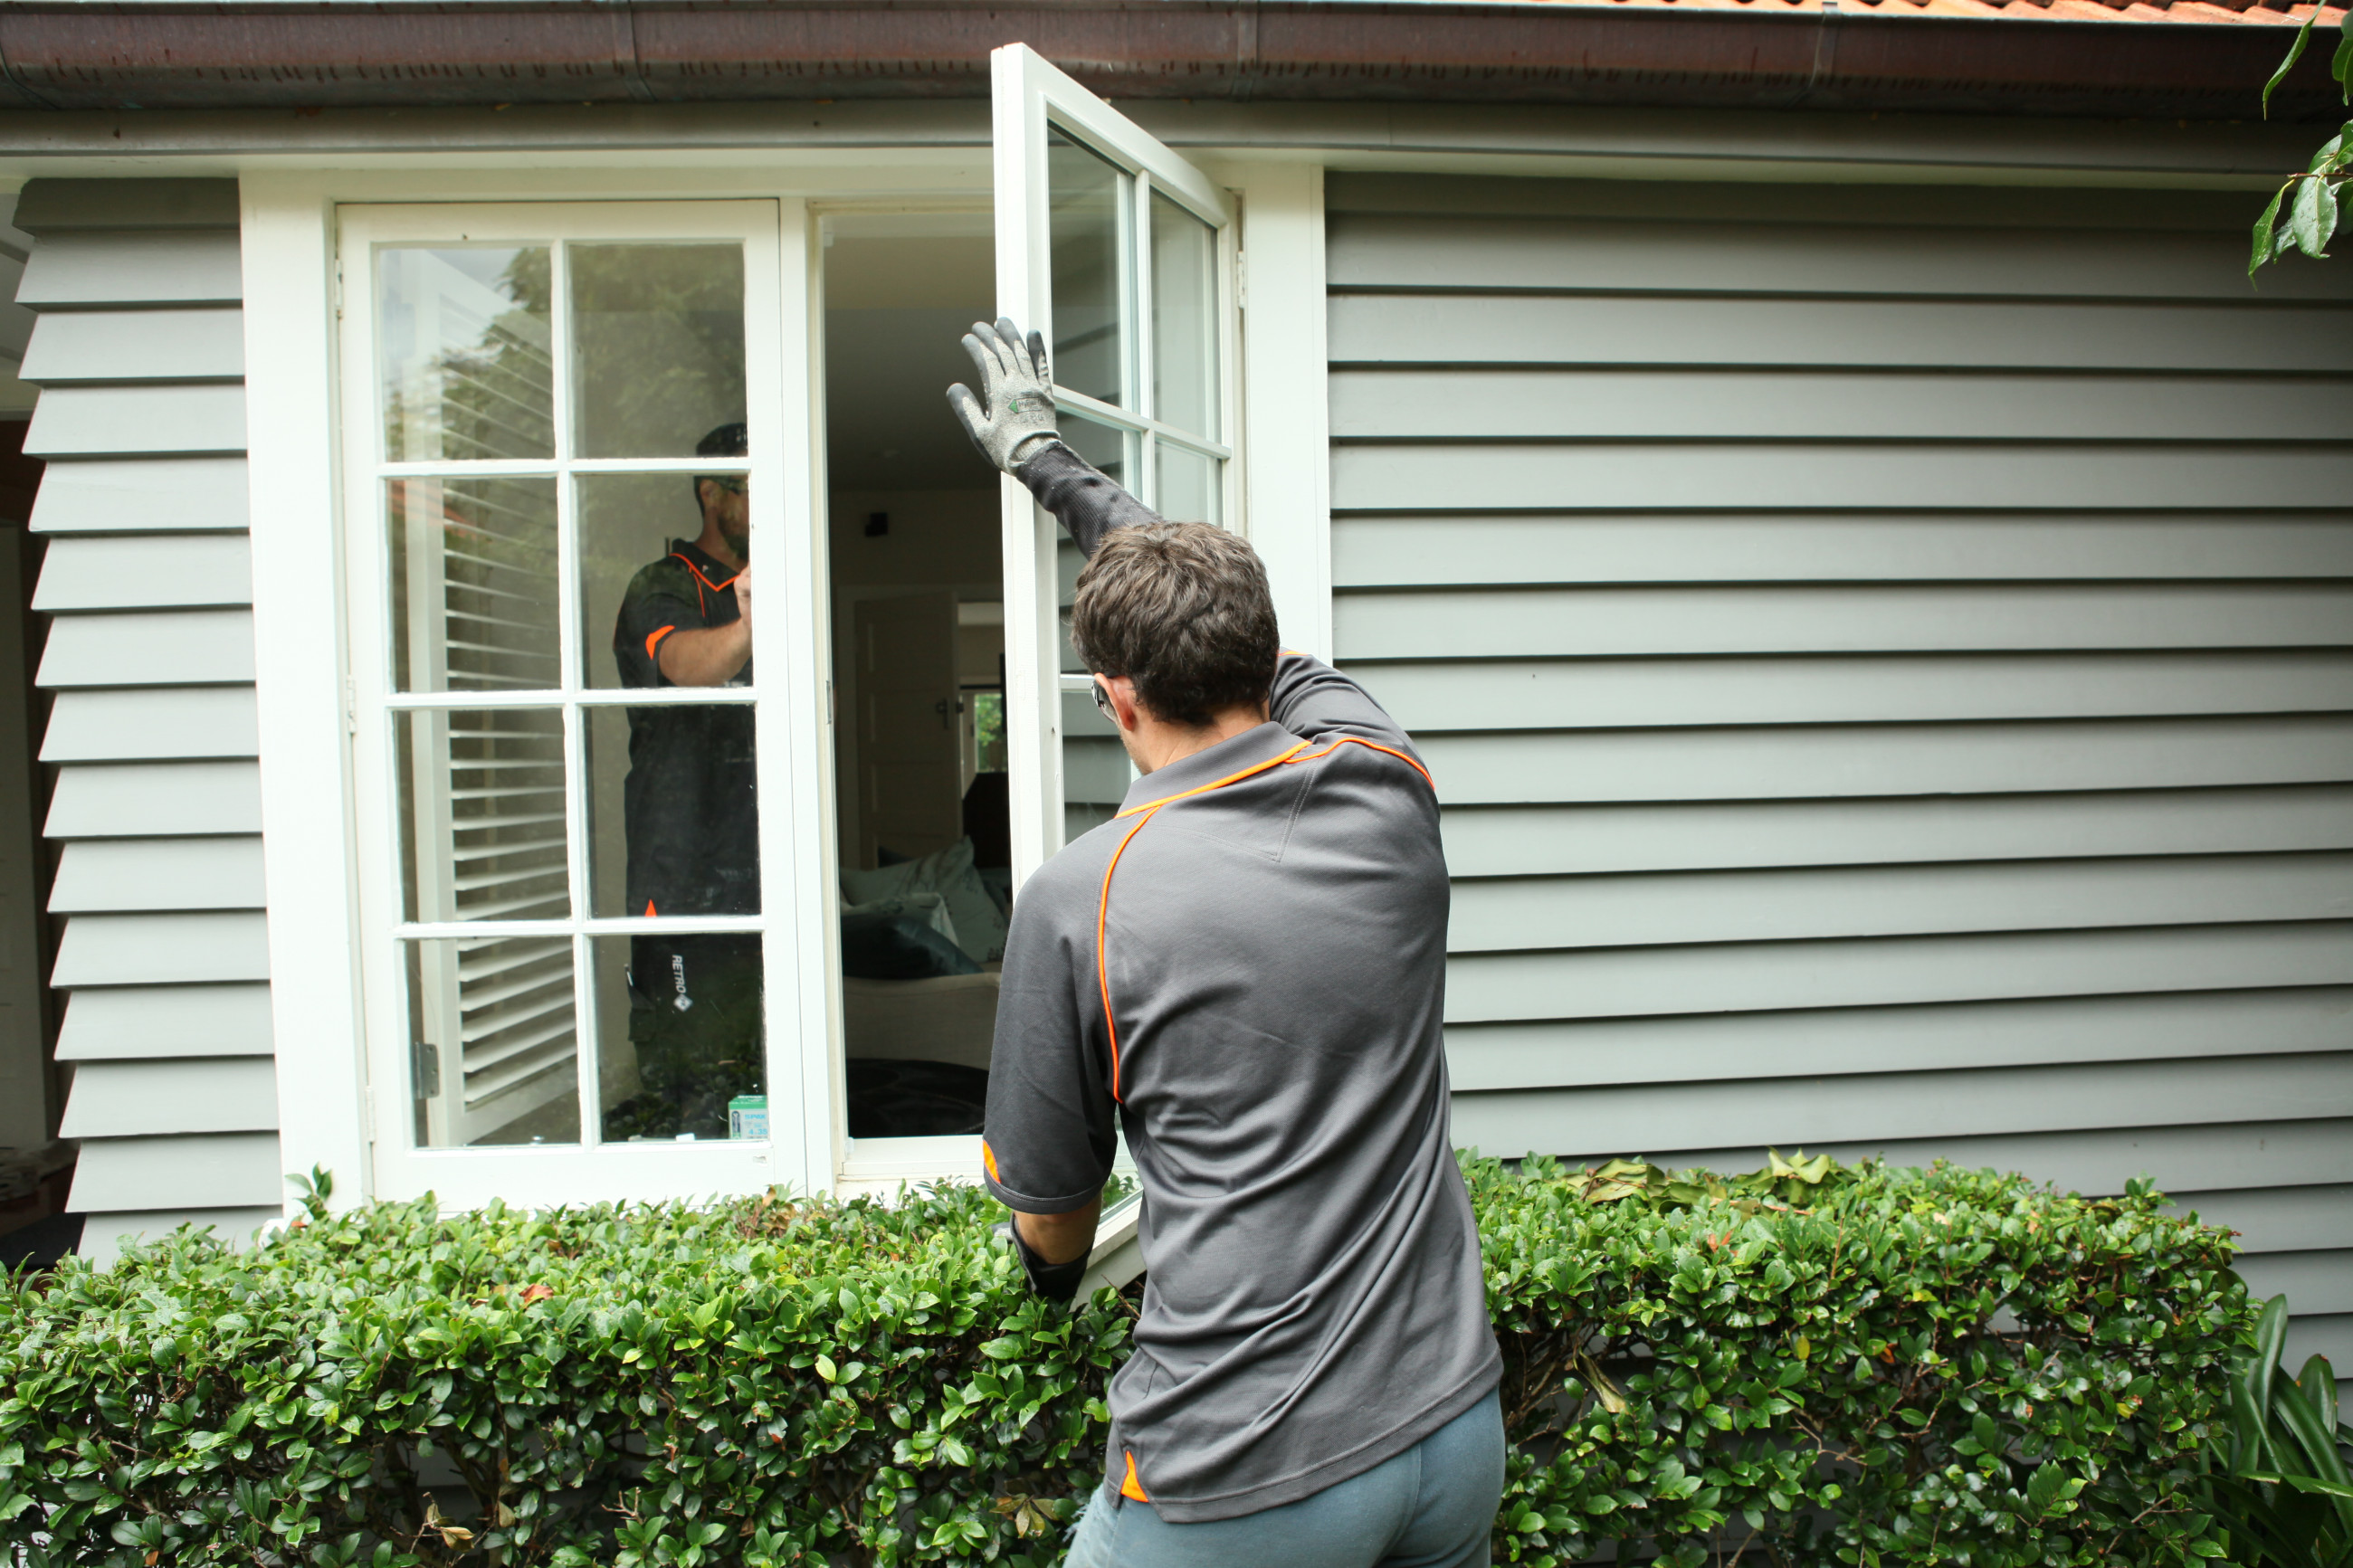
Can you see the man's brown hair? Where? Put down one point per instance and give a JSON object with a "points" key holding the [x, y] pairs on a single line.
{"points": [[1183, 610]]}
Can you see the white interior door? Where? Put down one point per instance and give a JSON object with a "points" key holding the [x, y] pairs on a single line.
{"points": [[910, 738], [1121, 254]]}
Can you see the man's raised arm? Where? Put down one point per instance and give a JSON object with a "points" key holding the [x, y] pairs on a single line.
{"points": [[1014, 428], [1012, 423]]}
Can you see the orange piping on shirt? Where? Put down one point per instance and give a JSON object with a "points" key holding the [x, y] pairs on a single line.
{"points": [[1102, 919], [1275, 760], [680, 557], [1132, 1487], [653, 638], [650, 908], [1151, 808], [1376, 745], [988, 1159]]}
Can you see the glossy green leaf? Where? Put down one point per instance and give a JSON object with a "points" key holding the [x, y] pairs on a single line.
{"points": [[2265, 242], [2294, 53]]}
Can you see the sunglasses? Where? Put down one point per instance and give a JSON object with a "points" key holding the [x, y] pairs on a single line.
{"points": [[1103, 700], [733, 484]]}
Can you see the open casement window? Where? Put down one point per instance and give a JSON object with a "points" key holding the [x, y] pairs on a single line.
{"points": [[1121, 254], [581, 962]]}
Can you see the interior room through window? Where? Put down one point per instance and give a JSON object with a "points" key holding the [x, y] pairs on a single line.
{"points": [[919, 672]]}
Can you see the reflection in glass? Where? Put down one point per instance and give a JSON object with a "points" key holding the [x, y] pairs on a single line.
{"points": [[1095, 769], [1108, 450], [1188, 484], [467, 368], [494, 1045], [657, 345], [1184, 320], [641, 569], [1087, 217], [673, 810], [680, 1038], [481, 813], [473, 584]]}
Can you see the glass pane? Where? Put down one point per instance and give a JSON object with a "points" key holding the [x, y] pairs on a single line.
{"points": [[680, 1041], [494, 1052], [647, 562], [468, 371], [481, 813], [658, 346], [1184, 320], [1087, 217], [1095, 769], [673, 810], [473, 585], [1188, 485], [1112, 451]]}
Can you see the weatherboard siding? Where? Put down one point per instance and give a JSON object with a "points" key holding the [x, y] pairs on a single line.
{"points": [[1887, 661], [139, 351]]}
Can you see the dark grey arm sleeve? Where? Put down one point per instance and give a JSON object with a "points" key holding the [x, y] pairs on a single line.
{"points": [[1315, 702], [1084, 500]]}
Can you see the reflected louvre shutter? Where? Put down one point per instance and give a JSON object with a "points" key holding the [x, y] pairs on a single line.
{"points": [[500, 1035], [480, 590]]}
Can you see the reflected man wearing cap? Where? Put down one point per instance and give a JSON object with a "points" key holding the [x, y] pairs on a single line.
{"points": [[691, 811]]}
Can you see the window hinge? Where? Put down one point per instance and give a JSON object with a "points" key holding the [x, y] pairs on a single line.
{"points": [[829, 702], [426, 1057], [1242, 280], [339, 288], [351, 708]]}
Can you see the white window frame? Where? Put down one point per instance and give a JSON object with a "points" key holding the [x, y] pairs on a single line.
{"points": [[294, 299], [1030, 98], [585, 1171]]}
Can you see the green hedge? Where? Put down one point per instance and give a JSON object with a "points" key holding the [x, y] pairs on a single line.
{"points": [[1802, 1363]]}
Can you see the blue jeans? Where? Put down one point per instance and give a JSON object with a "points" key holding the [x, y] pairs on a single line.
{"points": [[1431, 1507]]}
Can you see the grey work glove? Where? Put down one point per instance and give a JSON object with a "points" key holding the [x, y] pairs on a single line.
{"points": [[1019, 416]]}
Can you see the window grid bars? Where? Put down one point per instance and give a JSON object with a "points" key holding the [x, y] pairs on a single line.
{"points": [[545, 467], [588, 1047], [556, 697], [1130, 422], [572, 696], [1135, 304], [605, 925]]}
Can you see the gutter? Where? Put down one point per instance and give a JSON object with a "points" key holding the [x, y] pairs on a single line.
{"points": [[1762, 54]]}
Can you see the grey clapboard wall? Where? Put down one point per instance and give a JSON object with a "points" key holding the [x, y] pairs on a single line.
{"points": [[1887, 659], [138, 350]]}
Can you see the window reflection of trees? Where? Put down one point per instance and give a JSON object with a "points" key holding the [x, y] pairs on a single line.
{"points": [[492, 394], [658, 339]]}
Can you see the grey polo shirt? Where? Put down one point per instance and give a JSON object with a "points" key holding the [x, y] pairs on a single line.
{"points": [[1246, 968]]}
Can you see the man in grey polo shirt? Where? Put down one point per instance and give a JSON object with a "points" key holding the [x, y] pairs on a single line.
{"points": [[1246, 969]]}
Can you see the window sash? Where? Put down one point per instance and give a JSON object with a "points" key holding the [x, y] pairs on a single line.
{"points": [[775, 318], [1033, 102]]}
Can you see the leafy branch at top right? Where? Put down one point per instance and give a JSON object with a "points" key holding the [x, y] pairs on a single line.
{"points": [[2311, 199]]}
